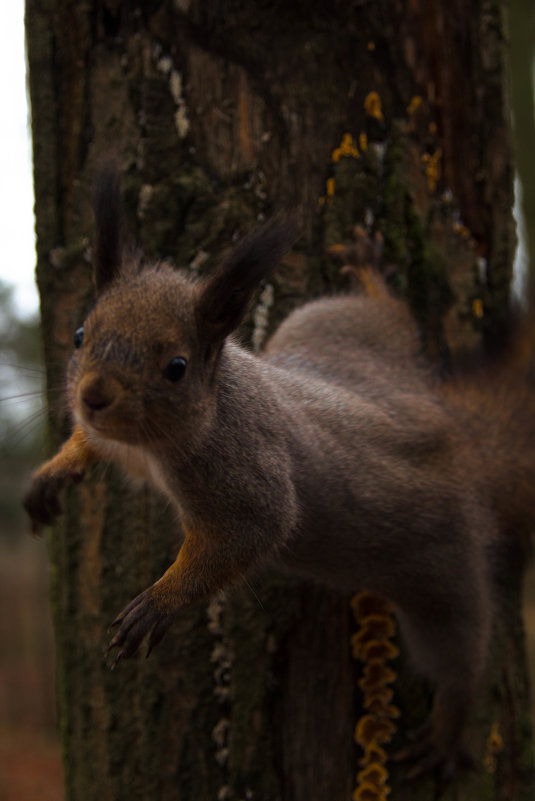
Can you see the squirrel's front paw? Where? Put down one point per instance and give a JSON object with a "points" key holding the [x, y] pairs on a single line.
{"points": [[136, 620], [41, 501]]}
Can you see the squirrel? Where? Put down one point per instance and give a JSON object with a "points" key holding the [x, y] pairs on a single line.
{"points": [[335, 453]]}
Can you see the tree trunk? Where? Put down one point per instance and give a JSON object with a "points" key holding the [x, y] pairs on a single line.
{"points": [[387, 114]]}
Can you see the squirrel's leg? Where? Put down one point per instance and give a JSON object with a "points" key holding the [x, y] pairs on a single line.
{"points": [[206, 564], [41, 501], [450, 649], [436, 746]]}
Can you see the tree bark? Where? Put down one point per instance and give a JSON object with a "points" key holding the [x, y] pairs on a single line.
{"points": [[387, 114]]}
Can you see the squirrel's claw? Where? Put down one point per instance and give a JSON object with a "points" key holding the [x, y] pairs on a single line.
{"points": [[136, 620], [41, 501], [427, 758]]}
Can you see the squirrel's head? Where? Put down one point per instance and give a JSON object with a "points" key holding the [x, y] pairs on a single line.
{"points": [[146, 357]]}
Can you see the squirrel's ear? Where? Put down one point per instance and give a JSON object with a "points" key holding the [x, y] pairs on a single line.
{"points": [[225, 297], [107, 253]]}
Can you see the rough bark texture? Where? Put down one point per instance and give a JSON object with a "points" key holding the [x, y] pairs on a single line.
{"points": [[219, 114]]}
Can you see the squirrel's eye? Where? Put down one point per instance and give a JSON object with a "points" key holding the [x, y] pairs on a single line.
{"points": [[79, 337], [175, 369]]}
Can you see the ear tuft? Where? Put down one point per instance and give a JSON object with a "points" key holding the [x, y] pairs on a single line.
{"points": [[107, 254], [226, 296]]}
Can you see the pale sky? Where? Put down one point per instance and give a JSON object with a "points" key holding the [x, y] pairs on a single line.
{"points": [[17, 238]]}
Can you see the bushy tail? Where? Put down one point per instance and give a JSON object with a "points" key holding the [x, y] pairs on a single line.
{"points": [[496, 405]]}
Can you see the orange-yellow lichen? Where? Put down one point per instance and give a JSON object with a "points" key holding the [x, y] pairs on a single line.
{"points": [[373, 628], [345, 148], [371, 645], [381, 695], [462, 230], [477, 308], [414, 105], [376, 674], [375, 774], [363, 142], [363, 604], [373, 729], [372, 106], [432, 168], [378, 649], [493, 749], [374, 754], [369, 792], [377, 706], [371, 46], [336, 250]]}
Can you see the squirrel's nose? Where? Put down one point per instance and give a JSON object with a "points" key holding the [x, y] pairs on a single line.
{"points": [[97, 393], [95, 400]]}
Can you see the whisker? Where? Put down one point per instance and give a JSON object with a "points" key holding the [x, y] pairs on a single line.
{"points": [[36, 368], [18, 433], [37, 371], [21, 395], [253, 592], [16, 425], [42, 392]]}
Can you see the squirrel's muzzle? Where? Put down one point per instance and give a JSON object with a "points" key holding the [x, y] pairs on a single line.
{"points": [[103, 405], [97, 393]]}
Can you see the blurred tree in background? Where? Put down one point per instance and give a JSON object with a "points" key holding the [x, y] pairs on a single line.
{"points": [[22, 408], [29, 753]]}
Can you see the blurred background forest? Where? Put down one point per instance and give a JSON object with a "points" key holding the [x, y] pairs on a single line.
{"points": [[29, 750]]}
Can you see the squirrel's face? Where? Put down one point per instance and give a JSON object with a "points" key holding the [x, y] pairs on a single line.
{"points": [[137, 371], [144, 362]]}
